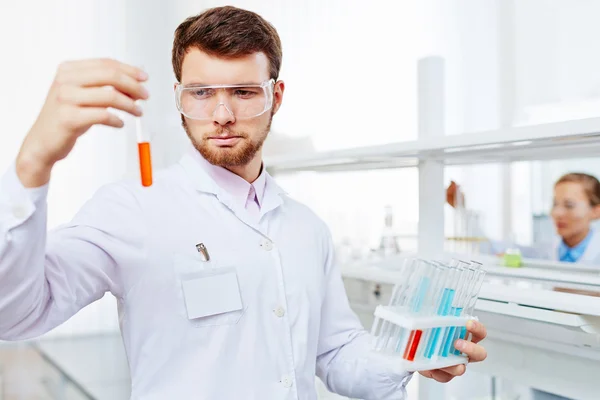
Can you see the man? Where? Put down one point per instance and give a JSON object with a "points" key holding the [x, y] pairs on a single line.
{"points": [[226, 287]]}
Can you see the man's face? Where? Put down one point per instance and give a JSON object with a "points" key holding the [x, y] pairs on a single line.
{"points": [[224, 139]]}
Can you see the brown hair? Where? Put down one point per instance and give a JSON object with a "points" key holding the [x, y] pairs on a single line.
{"points": [[590, 184], [227, 32]]}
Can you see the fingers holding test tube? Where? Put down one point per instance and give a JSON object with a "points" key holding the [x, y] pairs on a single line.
{"points": [[101, 97], [472, 349], [81, 96], [98, 73], [478, 331]]}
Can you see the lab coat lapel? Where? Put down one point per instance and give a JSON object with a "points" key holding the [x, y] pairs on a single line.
{"points": [[591, 255], [272, 197], [200, 179], [554, 250], [204, 183]]}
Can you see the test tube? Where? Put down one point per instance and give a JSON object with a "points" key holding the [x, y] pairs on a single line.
{"points": [[143, 151], [476, 265], [447, 297], [414, 349], [470, 281], [461, 298], [396, 299], [437, 289], [472, 300], [480, 275], [420, 296], [390, 332], [402, 304]]}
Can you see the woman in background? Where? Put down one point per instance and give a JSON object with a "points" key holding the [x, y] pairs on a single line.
{"points": [[576, 205]]}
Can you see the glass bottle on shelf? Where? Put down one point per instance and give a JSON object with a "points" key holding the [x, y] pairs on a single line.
{"points": [[388, 242]]}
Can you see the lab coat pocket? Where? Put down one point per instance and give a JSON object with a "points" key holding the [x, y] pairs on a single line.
{"points": [[209, 294]]}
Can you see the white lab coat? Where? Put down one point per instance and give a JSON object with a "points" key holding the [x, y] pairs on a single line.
{"points": [[139, 244], [591, 255]]}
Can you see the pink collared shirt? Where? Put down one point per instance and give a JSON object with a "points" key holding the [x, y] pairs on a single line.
{"points": [[246, 195]]}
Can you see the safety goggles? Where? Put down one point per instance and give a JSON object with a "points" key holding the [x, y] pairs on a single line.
{"points": [[201, 102], [571, 206]]}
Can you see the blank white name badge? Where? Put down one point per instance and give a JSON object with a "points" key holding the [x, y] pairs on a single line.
{"points": [[214, 293]]}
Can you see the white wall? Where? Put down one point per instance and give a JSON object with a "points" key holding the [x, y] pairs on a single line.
{"points": [[557, 63], [35, 37], [349, 66]]}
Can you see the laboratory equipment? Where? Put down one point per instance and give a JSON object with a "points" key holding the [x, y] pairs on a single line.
{"points": [[466, 236], [512, 253], [428, 311], [512, 257], [388, 242], [143, 141]]}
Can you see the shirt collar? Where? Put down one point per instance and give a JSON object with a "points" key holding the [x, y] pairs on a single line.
{"points": [[210, 178], [573, 254]]}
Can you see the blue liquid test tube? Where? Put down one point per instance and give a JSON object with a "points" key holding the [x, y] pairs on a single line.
{"points": [[448, 293], [472, 300], [470, 280], [442, 279], [439, 282], [466, 273]]}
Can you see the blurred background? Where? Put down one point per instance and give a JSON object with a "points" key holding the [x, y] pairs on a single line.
{"points": [[506, 64]]}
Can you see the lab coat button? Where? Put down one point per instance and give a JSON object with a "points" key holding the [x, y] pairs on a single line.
{"points": [[19, 211], [286, 381], [267, 245], [279, 311]]}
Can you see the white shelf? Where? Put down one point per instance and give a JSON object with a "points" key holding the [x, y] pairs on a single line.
{"points": [[559, 140], [543, 299], [589, 324], [537, 270], [530, 297], [538, 274]]}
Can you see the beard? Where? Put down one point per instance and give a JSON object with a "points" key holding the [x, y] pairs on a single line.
{"points": [[237, 155]]}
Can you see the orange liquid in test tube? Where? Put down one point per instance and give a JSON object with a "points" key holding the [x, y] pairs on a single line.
{"points": [[144, 153], [145, 163]]}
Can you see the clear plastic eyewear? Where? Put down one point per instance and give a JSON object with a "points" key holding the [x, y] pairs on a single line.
{"points": [[241, 101], [571, 206]]}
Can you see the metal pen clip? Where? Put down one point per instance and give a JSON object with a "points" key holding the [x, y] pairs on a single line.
{"points": [[203, 252]]}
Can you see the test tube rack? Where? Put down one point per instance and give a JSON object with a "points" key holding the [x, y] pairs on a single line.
{"points": [[428, 312], [423, 327]]}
